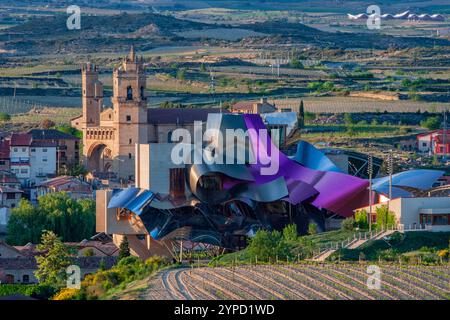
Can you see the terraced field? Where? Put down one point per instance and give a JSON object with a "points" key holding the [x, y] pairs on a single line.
{"points": [[303, 282]]}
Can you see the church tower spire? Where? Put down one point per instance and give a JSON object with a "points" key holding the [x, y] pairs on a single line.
{"points": [[132, 55]]}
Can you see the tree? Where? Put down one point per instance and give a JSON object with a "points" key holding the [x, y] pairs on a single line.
{"points": [[266, 245], [70, 130], [181, 74], [431, 123], [53, 262], [25, 224], [4, 116], [295, 63], [124, 249], [290, 232], [301, 119], [361, 219], [385, 218], [47, 124], [73, 220], [348, 119]]}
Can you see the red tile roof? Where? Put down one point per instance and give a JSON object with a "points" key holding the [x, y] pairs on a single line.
{"points": [[21, 139], [8, 177], [9, 190], [244, 105], [5, 149]]}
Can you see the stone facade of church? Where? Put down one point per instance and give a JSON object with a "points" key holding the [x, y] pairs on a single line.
{"points": [[110, 135]]}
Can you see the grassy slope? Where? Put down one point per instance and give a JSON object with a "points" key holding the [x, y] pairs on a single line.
{"points": [[413, 241], [315, 242]]}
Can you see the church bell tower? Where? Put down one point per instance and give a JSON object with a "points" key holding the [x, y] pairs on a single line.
{"points": [[130, 112]]}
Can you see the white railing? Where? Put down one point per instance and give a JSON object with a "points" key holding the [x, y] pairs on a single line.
{"points": [[415, 227], [368, 235]]}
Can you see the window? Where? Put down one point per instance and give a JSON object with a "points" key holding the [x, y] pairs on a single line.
{"points": [[440, 220], [128, 118], [424, 144], [25, 278], [15, 149], [142, 93], [44, 159], [24, 171], [44, 150], [24, 149], [129, 93], [129, 156], [10, 196], [2, 162], [177, 181], [130, 141]]}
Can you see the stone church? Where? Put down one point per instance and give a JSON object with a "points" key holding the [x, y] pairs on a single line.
{"points": [[110, 135]]}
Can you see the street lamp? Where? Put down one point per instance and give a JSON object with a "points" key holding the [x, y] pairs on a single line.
{"points": [[370, 173]]}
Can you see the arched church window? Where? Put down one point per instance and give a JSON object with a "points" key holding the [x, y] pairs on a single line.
{"points": [[129, 93], [169, 136], [142, 93]]}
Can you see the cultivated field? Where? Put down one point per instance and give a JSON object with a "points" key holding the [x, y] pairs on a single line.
{"points": [[287, 282], [354, 104]]}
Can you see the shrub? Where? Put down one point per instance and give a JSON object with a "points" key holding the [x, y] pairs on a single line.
{"points": [[361, 219], [266, 245], [388, 255], [312, 228], [66, 294], [385, 218], [290, 232], [89, 252], [348, 224], [443, 254], [37, 291], [431, 123], [4, 116], [127, 270]]}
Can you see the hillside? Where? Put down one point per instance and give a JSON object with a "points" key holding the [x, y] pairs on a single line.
{"points": [[49, 34], [299, 33], [112, 33]]}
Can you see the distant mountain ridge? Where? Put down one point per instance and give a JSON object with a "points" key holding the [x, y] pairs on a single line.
{"points": [[112, 33]]}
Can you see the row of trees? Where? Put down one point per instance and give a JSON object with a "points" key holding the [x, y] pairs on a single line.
{"points": [[384, 218], [73, 220]]}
